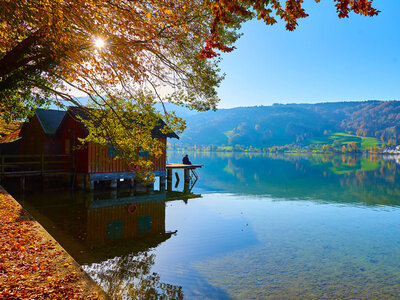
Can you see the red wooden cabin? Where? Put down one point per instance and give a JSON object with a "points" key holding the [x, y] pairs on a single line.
{"points": [[38, 135], [35, 147], [95, 162]]}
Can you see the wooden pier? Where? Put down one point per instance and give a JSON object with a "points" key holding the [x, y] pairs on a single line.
{"points": [[35, 164], [189, 172], [49, 165]]}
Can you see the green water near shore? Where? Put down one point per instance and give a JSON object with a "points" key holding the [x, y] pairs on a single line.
{"points": [[281, 226]]}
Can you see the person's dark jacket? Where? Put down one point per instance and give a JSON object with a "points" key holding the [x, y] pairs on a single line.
{"points": [[186, 161]]}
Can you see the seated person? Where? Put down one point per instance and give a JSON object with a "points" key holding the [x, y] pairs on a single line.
{"points": [[186, 160]]}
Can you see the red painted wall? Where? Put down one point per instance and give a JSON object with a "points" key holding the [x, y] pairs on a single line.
{"points": [[69, 131], [100, 162], [94, 158]]}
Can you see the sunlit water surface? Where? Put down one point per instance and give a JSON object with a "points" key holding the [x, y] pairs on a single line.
{"points": [[254, 226]]}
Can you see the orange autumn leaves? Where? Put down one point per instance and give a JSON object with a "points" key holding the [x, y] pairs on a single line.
{"points": [[27, 262], [152, 40], [151, 51], [48, 45], [226, 11]]}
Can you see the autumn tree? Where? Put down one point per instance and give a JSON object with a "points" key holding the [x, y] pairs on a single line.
{"points": [[97, 46], [124, 55], [127, 55]]}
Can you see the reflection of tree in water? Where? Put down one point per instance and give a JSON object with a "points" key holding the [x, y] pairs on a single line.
{"points": [[130, 277]]}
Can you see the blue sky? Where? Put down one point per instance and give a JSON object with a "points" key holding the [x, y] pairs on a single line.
{"points": [[324, 59]]}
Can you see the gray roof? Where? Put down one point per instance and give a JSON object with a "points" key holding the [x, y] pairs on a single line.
{"points": [[156, 132], [49, 119]]}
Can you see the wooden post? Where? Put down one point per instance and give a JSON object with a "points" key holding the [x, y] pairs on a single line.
{"points": [[187, 180], [113, 184], [132, 188], [42, 163], [187, 175], [89, 183], [162, 183], [169, 179], [186, 187], [79, 181], [22, 182], [114, 194], [150, 187]]}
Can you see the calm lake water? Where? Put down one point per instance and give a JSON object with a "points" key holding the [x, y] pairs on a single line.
{"points": [[255, 226]]}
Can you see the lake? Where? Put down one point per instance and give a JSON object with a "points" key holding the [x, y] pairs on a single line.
{"points": [[254, 226]]}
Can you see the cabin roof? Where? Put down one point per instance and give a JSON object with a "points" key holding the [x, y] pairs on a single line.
{"points": [[75, 112], [49, 119]]}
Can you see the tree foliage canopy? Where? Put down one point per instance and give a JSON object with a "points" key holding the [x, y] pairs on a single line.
{"points": [[154, 50]]}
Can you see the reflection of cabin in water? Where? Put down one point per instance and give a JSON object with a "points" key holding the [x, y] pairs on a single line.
{"points": [[138, 218], [51, 133], [100, 225]]}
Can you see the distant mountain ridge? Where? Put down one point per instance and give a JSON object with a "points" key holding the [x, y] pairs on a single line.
{"points": [[281, 124]]}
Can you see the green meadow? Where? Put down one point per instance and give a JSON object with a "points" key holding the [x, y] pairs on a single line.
{"points": [[362, 142]]}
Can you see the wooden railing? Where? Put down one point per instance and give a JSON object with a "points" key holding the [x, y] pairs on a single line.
{"points": [[35, 164]]}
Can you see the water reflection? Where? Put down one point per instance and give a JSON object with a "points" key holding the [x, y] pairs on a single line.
{"points": [[131, 277], [258, 226], [110, 234], [361, 180]]}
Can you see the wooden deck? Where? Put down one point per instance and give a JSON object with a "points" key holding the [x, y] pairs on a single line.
{"points": [[182, 166], [190, 176], [35, 164]]}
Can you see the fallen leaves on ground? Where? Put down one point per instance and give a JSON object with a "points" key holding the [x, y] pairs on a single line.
{"points": [[30, 264]]}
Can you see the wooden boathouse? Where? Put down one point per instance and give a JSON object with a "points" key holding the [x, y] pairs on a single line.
{"points": [[96, 163], [48, 143]]}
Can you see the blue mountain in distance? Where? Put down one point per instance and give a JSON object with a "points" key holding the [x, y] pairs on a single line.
{"points": [[281, 124]]}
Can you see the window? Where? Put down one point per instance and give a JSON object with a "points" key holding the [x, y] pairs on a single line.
{"points": [[144, 224], [144, 154], [111, 152], [114, 230]]}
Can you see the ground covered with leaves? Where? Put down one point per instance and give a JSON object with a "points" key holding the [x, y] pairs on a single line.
{"points": [[32, 264]]}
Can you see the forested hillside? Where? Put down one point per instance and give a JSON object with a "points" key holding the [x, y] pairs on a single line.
{"points": [[279, 124]]}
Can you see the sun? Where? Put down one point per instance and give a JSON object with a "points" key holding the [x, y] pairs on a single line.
{"points": [[99, 43]]}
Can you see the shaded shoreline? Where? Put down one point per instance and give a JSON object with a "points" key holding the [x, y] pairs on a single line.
{"points": [[33, 264]]}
